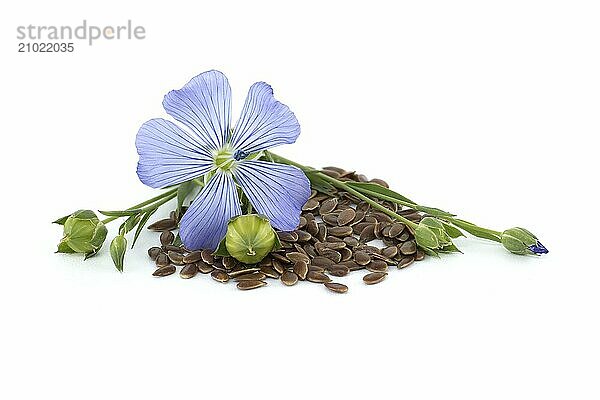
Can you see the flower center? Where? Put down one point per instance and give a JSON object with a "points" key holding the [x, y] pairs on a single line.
{"points": [[224, 159]]}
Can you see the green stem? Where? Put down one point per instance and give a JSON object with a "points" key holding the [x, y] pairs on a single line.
{"points": [[341, 185], [418, 207], [395, 200], [490, 231], [171, 192], [284, 160], [160, 203], [494, 235]]}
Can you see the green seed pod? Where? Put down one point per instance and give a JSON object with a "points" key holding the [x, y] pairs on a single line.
{"points": [[83, 233], [118, 247], [521, 241], [249, 238]]}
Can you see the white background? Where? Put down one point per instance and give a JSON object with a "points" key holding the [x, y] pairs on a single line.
{"points": [[488, 109]]}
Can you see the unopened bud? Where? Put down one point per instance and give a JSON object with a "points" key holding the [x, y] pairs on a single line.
{"points": [[83, 233], [521, 241], [426, 238], [118, 247]]}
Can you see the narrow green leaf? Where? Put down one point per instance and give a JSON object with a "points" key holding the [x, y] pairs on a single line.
{"points": [[383, 193], [183, 191], [474, 230], [318, 183], [141, 225], [245, 203], [268, 156], [450, 248], [177, 241], [277, 245], [434, 212], [375, 189], [124, 213], [430, 252], [222, 249], [452, 231], [129, 224]]}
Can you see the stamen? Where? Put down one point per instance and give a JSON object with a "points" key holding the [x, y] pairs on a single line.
{"points": [[240, 155]]}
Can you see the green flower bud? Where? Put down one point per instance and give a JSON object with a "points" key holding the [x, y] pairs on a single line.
{"points": [[432, 237], [83, 233], [118, 247], [521, 241], [249, 238], [438, 229], [426, 238]]}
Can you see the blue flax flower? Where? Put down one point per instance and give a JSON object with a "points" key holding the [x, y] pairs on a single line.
{"points": [[227, 155]]}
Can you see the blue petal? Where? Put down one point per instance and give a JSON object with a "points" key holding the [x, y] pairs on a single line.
{"points": [[204, 224], [275, 190], [169, 155], [203, 105], [264, 122]]}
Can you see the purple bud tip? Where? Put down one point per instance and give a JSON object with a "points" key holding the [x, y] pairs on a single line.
{"points": [[538, 248]]}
